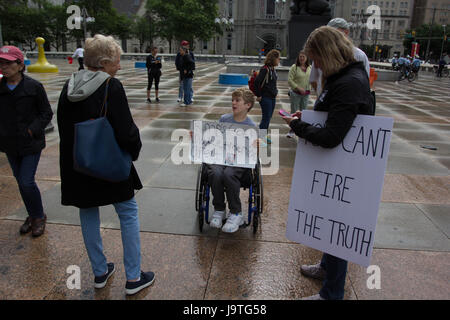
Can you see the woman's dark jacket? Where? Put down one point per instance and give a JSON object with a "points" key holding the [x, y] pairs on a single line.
{"points": [[25, 107], [345, 95], [81, 190], [267, 89], [152, 67]]}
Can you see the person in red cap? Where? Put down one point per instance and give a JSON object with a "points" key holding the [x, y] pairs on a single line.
{"points": [[24, 114], [178, 63]]}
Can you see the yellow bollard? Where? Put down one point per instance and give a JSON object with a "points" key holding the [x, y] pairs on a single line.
{"points": [[42, 65]]}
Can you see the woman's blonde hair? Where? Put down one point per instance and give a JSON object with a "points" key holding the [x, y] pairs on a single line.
{"points": [[271, 57], [333, 48], [100, 48]]}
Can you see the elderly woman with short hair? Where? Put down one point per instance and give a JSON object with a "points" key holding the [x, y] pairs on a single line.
{"points": [[346, 93], [81, 99]]}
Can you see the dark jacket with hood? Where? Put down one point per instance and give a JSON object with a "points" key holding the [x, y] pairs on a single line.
{"points": [[81, 99], [266, 83], [345, 95], [25, 107]]}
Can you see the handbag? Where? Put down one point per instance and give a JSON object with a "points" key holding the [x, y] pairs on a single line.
{"points": [[96, 152]]}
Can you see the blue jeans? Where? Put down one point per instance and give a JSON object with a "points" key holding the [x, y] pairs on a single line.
{"points": [[267, 108], [24, 169], [187, 88], [180, 90], [129, 227], [333, 285]]}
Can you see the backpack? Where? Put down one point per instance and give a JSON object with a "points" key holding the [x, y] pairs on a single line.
{"points": [[251, 81]]}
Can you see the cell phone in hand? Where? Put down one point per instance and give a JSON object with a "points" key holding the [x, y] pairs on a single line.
{"points": [[284, 113]]}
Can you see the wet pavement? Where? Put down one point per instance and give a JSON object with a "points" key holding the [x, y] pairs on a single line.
{"points": [[412, 246]]}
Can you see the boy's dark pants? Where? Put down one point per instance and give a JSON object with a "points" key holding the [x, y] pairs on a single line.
{"points": [[226, 179]]}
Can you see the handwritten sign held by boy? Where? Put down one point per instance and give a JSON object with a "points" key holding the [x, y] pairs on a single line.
{"points": [[335, 193], [224, 143]]}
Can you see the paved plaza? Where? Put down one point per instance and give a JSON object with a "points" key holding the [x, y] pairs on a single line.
{"points": [[412, 246]]}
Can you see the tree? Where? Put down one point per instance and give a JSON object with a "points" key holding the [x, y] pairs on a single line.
{"points": [[184, 19], [437, 35], [144, 30]]}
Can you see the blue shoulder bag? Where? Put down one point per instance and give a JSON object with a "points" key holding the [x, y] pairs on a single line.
{"points": [[96, 152]]}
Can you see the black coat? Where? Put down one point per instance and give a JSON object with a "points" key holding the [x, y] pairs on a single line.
{"points": [[345, 95], [81, 190], [26, 107], [153, 67]]}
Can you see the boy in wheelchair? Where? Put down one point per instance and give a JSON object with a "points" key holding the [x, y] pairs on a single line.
{"points": [[226, 179]]}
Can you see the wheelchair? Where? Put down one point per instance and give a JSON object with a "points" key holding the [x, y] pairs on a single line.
{"points": [[251, 181]]}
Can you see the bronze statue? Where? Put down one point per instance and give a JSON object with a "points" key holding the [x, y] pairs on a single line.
{"points": [[312, 7]]}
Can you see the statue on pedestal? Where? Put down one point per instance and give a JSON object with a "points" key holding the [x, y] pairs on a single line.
{"points": [[312, 7]]}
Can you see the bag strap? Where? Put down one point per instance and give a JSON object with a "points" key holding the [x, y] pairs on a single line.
{"points": [[266, 78], [105, 100]]}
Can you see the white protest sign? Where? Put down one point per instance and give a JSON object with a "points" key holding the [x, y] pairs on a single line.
{"points": [[336, 193], [224, 143]]}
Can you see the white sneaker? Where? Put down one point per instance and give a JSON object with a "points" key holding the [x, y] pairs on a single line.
{"points": [[178, 100], [290, 134], [182, 105], [233, 223], [216, 219]]}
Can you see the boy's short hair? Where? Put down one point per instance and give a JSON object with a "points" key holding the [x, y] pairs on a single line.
{"points": [[246, 94]]}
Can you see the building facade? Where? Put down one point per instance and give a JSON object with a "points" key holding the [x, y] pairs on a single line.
{"points": [[431, 11], [395, 19]]}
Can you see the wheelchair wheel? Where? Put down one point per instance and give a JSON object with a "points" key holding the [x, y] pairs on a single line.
{"points": [[445, 72], [197, 189], [258, 198], [200, 197], [256, 218]]}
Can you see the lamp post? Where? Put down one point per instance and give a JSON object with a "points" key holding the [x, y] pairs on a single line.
{"points": [[223, 22], [279, 8], [443, 41], [1, 37]]}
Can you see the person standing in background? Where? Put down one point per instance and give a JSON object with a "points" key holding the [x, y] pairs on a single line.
{"points": [[299, 87], [79, 53], [153, 72]]}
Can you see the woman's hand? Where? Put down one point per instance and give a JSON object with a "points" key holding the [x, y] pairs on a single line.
{"points": [[289, 119], [297, 114], [301, 91]]}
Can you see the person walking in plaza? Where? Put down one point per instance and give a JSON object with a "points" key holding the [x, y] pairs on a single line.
{"points": [[299, 87], [266, 88], [153, 65], [187, 74], [316, 74], [81, 99], [79, 54], [346, 94], [24, 114]]}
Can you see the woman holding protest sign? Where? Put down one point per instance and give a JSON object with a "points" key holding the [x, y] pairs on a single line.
{"points": [[346, 93]]}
